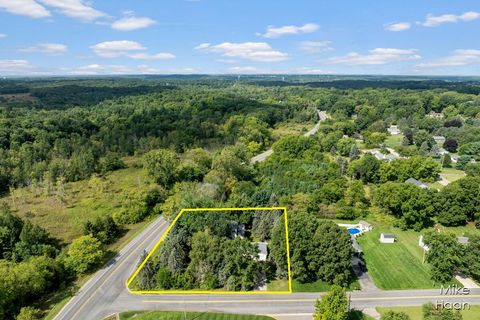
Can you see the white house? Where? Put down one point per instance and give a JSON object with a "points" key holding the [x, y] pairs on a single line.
{"points": [[387, 238], [434, 114], [393, 130], [439, 139], [365, 226], [263, 254]]}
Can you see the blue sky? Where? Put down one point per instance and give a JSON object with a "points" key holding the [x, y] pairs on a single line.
{"points": [[77, 37]]}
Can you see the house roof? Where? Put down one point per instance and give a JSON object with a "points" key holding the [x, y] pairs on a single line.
{"points": [[463, 240], [388, 235], [416, 182], [364, 223], [262, 246]]}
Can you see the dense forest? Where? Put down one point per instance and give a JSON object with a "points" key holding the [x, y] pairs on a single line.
{"points": [[195, 139]]}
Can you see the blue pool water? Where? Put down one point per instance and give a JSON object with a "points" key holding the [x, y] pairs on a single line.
{"points": [[353, 231]]}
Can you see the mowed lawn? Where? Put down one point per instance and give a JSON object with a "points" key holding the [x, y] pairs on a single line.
{"points": [[415, 313], [84, 200], [317, 286], [398, 265], [394, 141], [170, 315]]}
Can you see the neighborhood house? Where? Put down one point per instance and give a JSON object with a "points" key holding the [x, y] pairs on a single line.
{"points": [[263, 254], [417, 183]]}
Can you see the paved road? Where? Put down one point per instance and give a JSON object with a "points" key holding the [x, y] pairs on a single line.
{"points": [[106, 293], [322, 116]]}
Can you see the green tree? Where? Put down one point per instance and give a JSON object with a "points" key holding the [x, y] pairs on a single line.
{"points": [[29, 313], [473, 169], [447, 161], [83, 254], [431, 312], [161, 164], [354, 153], [332, 306], [365, 169], [443, 255], [459, 201]]}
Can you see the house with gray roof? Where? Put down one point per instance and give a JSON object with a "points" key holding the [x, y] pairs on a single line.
{"points": [[417, 183]]}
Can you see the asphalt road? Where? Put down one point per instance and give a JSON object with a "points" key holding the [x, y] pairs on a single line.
{"points": [[106, 293]]}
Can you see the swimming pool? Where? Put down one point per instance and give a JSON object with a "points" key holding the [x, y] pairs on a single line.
{"points": [[353, 231]]}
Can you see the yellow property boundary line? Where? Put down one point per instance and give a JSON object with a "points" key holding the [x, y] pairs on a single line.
{"points": [[132, 277]]}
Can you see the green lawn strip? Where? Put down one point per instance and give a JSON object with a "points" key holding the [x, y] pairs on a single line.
{"points": [[173, 315], [317, 286], [415, 313]]}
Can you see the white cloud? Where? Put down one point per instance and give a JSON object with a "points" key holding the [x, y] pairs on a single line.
{"points": [[78, 9], [126, 48], [316, 46], [376, 56], [16, 67], [113, 49], [307, 70], [243, 70], [98, 69], [397, 26], [157, 56], [132, 23], [28, 8], [461, 57], [254, 51], [276, 32], [3, 35], [47, 48], [434, 21]]}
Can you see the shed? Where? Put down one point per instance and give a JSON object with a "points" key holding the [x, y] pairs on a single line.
{"points": [[387, 238], [463, 240]]}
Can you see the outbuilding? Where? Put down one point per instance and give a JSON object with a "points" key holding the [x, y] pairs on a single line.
{"points": [[387, 238]]}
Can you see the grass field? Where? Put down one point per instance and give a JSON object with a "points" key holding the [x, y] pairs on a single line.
{"points": [[317, 286], [84, 200], [415, 313], [452, 174], [170, 315], [394, 141], [398, 265]]}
